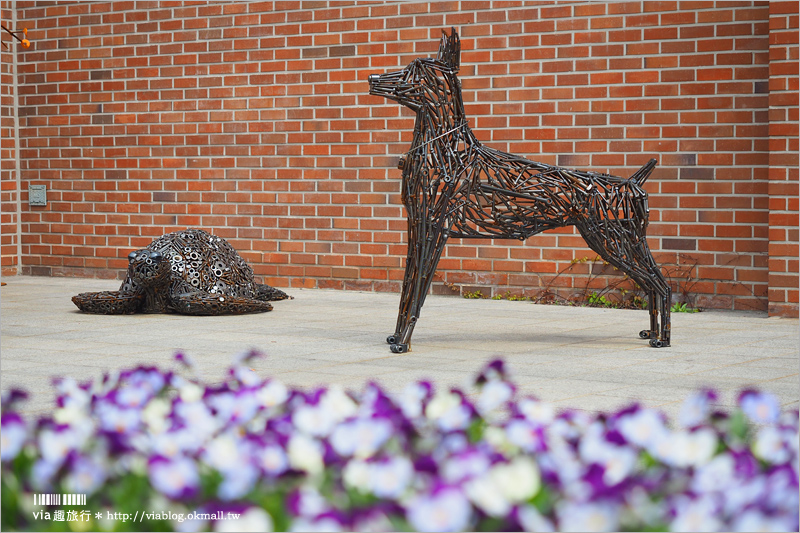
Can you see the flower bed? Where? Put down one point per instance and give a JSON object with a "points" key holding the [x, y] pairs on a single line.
{"points": [[183, 455]]}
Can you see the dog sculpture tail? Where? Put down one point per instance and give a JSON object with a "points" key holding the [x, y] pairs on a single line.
{"points": [[641, 175]]}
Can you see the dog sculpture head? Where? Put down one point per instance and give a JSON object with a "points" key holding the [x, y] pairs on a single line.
{"points": [[424, 79]]}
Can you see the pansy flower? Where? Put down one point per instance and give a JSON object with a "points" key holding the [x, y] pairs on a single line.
{"points": [[175, 477], [760, 407], [13, 435], [445, 509]]}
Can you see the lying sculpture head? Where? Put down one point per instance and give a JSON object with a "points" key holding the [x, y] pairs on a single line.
{"points": [[147, 268]]}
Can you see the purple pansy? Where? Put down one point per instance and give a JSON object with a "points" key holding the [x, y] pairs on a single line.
{"points": [[424, 458]]}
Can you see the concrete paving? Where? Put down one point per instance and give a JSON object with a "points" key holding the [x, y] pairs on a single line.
{"points": [[584, 358]]}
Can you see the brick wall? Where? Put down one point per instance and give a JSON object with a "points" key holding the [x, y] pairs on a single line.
{"points": [[9, 212], [783, 158], [252, 120]]}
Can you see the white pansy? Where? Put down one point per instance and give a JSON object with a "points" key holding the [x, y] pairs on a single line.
{"points": [[155, 415], [498, 439], [190, 392], [272, 394], [131, 395], [771, 444], [75, 402], [761, 407], [487, 496], [246, 376], [183, 525], [338, 403], [540, 412], [223, 453], [311, 502], [172, 443], [695, 409], [589, 516], [441, 403], [644, 428], [42, 474], [236, 483], [755, 520], [305, 453], [118, 419], [313, 420], [388, 478], [55, 445], [273, 459], [696, 515], [320, 419], [447, 510], [245, 407], [716, 475], [523, 434], [504, 485], [458, 468], [322, 525], [410, 400], [174, 477], [86, 476], [373, 521], [198, 418], [518, 480], [357, 475], [532, 520], [253, 519], [493, 395], [12, 438], [741, 494], [361, 437], [391, 478], [684, 449]]}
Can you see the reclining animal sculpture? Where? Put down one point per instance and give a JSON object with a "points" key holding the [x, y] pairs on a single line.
{"points": [[190, 272], [453, 186]]}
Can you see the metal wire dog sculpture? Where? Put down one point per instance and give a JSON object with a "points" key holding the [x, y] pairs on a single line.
{"points": [[453, 186]]}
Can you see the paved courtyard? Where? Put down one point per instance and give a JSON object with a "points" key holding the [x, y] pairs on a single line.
{"points": [[582, 358]]}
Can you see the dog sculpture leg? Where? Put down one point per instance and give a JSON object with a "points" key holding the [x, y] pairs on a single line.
{"points": [[627, 249], [426, 240], [659, 296]]}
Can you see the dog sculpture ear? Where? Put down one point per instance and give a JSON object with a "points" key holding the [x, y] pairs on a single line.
{"points": [[450, 50]]}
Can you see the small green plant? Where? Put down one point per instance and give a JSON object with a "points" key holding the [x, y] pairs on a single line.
{"points": [[683, 308], [477, 295], [511, 297], [599, 300]]}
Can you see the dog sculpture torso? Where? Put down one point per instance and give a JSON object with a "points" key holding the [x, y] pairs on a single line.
{"points": [[453, 186], [190, 272]]}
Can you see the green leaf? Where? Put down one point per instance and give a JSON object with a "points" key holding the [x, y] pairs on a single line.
{"points": [[275, 504], [543, 500], [476, 429], [130, 493], [739, 426]]}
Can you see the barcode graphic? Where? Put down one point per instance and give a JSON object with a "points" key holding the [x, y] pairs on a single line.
{"points": [[59, 499]]}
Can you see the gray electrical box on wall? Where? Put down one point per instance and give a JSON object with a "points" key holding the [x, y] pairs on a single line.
{"points": [[37, 195]]}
